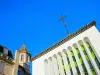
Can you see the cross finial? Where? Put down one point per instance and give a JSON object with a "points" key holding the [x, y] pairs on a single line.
{"points": [[64, 23]]}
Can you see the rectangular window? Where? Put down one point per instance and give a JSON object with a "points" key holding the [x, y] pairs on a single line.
{"points": [[5, 51], [27, 59], [22, 57]]}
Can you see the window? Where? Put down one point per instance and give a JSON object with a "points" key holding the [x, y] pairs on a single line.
{"points": [[81, 61], [5, 51], [69, 65], [88, 59], [26, 58], [22, 57], [75, 63], [58, 66], [93, 54], [2, 65], [64, 68]]}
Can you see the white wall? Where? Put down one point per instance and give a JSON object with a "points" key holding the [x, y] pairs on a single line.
{"points": [[93, 34]]}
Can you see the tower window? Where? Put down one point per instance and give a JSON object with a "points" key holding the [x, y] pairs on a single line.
{"points": [[22, 57], [26, 58]]}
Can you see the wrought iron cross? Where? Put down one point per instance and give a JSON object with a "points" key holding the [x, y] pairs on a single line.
{"points": [[64, 23]]}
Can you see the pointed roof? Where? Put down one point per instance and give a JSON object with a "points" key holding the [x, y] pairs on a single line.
{"points": [[23, 49]]}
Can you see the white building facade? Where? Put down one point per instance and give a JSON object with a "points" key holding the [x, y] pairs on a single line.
{"points": [[78, 54]]}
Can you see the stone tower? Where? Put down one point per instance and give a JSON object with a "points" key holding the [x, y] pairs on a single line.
{"points": [[24, 58]]}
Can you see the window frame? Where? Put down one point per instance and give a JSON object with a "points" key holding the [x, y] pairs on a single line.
{"points": [[22, 57]]}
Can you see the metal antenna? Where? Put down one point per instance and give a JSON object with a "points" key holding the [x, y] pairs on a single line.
{"points": [[64, 23]]}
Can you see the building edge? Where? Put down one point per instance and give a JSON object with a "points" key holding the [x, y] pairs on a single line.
{"points": [[93, 23]]}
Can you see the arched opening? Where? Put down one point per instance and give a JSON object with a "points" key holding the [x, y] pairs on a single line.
{"points": [[92, 51], [74, 60], [68, 61], [80, 58], [87, 57]]}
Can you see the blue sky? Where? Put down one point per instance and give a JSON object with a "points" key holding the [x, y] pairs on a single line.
{"points": [[35, 21]]}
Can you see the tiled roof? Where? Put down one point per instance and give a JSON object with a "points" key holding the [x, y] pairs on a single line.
{"points": [[65, 40]]}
